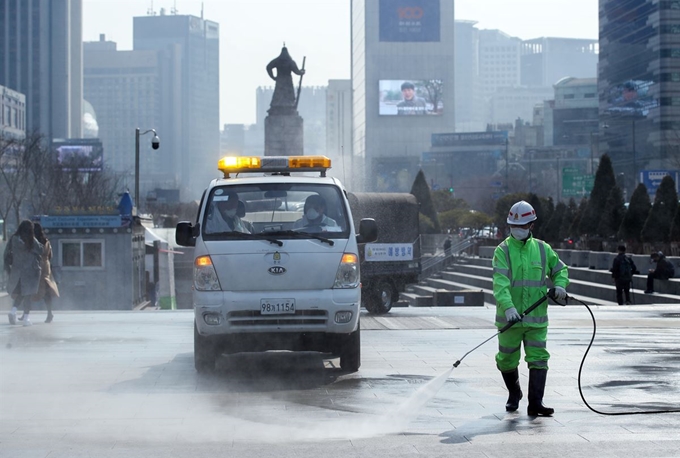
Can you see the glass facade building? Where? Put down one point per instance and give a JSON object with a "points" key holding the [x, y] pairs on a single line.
{"points": [[639, 86]]}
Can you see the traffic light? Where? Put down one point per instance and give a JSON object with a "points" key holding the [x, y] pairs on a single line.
{"points": [[451, 189]]}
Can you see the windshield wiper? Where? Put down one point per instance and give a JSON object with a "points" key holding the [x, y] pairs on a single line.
{"points": [[245, 236], [302, 235]]}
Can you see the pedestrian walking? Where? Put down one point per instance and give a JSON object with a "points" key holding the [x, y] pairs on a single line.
{"points": [[447, 247], [521, 266], [24, 258], [663, 271], [48, 288], [623, 269]]}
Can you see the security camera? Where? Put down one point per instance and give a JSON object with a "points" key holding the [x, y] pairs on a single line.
{"points": [[155, 142]]}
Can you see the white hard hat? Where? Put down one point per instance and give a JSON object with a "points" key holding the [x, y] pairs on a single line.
{"points": [[521, 213]]}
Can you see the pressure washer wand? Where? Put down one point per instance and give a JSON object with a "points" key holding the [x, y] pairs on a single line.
{"points": [[545, 297]]}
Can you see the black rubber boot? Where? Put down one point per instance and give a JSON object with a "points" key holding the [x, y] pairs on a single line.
{"points": [[536, 389], [511, 380]]}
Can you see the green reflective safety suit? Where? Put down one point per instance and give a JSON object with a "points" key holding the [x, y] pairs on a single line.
{"points": [[520, 273]]}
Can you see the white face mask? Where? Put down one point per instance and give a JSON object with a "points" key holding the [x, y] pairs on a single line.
{"points": [[230, 213], [312, 214], [519, 233]]}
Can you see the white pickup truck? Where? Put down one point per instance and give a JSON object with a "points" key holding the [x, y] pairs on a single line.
{"points": [[276, 261]]}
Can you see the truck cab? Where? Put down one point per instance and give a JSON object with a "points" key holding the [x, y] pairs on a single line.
{"points": [[276, 261]]}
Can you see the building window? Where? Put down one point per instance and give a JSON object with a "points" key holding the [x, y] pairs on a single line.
{"points": [[568, 96], [82, 254], [589, 95]]}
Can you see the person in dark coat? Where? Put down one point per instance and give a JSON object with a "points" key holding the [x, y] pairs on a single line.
{"points": [[663, 271], [24, 258], [623, 269]]}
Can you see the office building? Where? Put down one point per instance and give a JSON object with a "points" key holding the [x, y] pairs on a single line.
{"points": [[12, 115], [507, 104], [41, 56], [469, 103], [339, 129], [191, 47], [125, 90], [639, 86], [546, 60], [403, 83], [499, 61]]}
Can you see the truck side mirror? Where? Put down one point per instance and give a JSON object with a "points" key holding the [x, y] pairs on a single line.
{"points": [[368, 231], [184, 234]]}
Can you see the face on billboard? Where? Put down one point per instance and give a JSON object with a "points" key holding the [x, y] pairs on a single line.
{"points": [[411, 97], [84, 158], [409, 20], [631, 98]]}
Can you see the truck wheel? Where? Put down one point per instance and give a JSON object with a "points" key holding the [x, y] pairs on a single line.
{"points": [[382, 298], [350, 352], [205, 353]]}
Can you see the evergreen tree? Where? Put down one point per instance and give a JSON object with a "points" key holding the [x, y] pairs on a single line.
{"points": [[421, 191], [657, 228], [636, 215], [551, 231], [604, 182], [568, 219], [574, 231], [675, 227], [613, 214]]}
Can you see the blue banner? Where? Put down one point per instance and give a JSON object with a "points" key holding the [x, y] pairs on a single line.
{"points": [[50, 222], [409, 20], [652, 179]]}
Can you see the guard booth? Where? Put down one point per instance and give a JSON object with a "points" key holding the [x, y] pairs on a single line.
{"points": [[98, 261]]}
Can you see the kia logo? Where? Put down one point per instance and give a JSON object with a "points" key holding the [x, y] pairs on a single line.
{"points": [[277, 270], [408, 12]]}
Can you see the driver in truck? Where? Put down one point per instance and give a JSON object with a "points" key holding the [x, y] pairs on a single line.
{"points": [[224, 217], [315, 215]]}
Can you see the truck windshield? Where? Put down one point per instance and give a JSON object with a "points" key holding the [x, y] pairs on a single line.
{"points": [[286, 210]]}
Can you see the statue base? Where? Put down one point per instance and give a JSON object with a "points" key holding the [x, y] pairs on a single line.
{"points": [[283, 135]]}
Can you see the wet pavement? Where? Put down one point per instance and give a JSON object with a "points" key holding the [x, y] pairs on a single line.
{"points": [[122, 384]]}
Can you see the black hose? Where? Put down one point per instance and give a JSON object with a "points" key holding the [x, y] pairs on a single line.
{"points": [[580, 369]]}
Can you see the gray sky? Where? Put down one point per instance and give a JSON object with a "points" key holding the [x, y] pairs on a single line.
{"points": [[252, 32]]}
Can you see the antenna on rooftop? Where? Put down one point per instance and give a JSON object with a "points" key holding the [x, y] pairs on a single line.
{"points": [[150, 11], [173, 10]]}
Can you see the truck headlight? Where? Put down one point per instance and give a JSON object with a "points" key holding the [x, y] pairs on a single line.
{"points": [[205, 277], [348, 272]]}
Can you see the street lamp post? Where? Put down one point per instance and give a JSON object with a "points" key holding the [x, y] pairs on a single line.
{"points": [[155, 143]]}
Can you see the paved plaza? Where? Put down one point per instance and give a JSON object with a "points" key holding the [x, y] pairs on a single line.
{"points": [[122, 384]]}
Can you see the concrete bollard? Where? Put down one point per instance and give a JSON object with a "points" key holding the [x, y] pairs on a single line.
{"points": [[580, 258]]}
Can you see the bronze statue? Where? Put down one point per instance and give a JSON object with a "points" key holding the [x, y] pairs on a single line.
{"points": [[284, 98]]}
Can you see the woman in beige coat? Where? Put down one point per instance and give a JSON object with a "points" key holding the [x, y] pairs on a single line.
{"points": [[48, 287], [23, 256]]}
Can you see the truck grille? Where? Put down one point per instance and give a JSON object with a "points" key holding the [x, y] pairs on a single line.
{"points": [[255, 318]]}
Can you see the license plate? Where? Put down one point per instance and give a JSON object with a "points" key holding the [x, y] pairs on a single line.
{"points": [[277, 306]]}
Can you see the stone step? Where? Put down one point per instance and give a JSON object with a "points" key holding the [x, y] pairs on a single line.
{"points": [[416, 300]]}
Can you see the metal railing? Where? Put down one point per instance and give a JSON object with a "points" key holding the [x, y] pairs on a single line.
{"points": [[442, 259]]}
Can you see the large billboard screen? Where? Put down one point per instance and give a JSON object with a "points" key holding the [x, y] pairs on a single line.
{"points": [[632, 98], [411, 97], [409, 20], [79, 154]]}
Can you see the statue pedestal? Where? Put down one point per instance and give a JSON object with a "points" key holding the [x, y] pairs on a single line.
{"points": [[283, 135]]}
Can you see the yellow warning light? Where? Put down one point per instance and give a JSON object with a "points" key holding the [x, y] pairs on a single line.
{"points": [[231, 163], [349, 258]]}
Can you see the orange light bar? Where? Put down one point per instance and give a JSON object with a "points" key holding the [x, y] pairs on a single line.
{"points": [[300, 162], [349, 258], [203, 261]]}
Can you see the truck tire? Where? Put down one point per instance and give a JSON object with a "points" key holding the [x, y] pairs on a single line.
{"points": [[205, 353], [381, 298], [350, 352]]}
